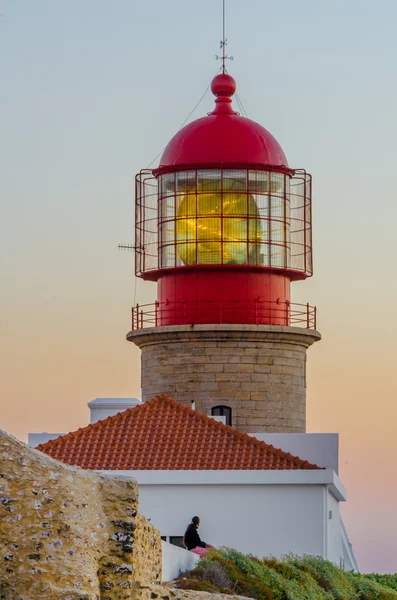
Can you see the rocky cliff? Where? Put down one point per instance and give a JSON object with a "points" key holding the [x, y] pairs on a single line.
{"points": [[70, 534]]}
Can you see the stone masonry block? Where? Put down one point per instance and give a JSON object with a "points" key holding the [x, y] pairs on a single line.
{"points": [[264, 360], [249, 387], [213, 368], [217, 358], [209, 386], [242, 396], [262, 368], [247, 404], [244, 368], [259, 378], [229, 386], [192, 367], [258, 396], [224, 377], [213, 351], [254, 420]]}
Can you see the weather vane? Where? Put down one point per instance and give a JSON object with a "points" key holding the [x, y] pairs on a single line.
{"points": [[223, 43]]}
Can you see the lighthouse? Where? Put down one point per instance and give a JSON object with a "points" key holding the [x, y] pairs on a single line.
{"points": [[224, 226]]}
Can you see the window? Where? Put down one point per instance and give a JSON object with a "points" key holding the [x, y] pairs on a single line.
{"points": [[222, 411], [177, 540]]}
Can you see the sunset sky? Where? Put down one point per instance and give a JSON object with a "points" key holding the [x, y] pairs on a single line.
{"points": [[90, 93]]}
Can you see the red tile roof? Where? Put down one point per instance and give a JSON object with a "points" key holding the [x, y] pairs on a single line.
{"points": [[162, 434]]}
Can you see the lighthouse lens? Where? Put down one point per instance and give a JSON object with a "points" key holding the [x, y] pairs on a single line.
{"points": [[218, 227]]}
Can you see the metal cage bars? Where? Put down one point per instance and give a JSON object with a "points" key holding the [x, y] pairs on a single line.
{"points": [[253, 217]]}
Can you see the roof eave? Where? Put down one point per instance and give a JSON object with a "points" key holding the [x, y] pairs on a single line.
{"points": [[325, 477]]}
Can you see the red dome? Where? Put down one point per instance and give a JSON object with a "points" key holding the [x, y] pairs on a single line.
{"points": [[223, 137]]}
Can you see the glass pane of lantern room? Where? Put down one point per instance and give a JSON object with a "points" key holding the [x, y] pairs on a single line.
{"points": [[186, 254], [167, 207], [186, 241], [208, 180], [234, 181], [235, 240], [167, 232], [235, 202], [258, 186], [254, 241], [277, 229], [264, 255], [258, 182], [209, 241], [234, 235], [277, 184], [186, 182], [186, 206], [277, 255], [168, 256], [167, 184]]}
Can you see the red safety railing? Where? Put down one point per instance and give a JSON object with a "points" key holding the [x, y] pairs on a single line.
{"points": [[256, 312]]}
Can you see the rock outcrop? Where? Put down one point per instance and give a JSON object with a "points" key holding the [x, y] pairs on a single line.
{"points": [[70, 534]]}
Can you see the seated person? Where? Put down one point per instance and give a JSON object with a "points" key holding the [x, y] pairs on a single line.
{"points": [[192, 540]]}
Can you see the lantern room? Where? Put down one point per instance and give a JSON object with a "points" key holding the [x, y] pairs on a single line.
{"points": [[223, 224]]}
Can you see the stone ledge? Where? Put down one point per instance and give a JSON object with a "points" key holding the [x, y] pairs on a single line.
{"points": [[224, 333]]}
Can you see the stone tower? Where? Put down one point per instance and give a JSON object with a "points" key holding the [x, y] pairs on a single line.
{"points": [[223, 226]]}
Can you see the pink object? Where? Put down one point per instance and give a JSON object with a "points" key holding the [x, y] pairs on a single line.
{"points": [[200, 551]]}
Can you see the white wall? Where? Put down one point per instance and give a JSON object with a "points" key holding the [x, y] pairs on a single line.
{"points": [[260, 512], [334, 531], [321, 449], [34, 439], [176, 560], [258, 519], [102, 408]]}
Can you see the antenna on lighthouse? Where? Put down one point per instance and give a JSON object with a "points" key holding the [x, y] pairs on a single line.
{"points": [[223, 43], [126, 247]]}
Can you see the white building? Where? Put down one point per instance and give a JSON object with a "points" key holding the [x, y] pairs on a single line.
{"points": [[248, 494]]}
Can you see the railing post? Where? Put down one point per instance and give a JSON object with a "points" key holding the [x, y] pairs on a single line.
{"points": [[137, 316], [141, 319], [156, 313], [132, 318], [308, 315], [287, 312], [315, 317]]}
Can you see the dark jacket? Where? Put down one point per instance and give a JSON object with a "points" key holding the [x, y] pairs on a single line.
{"points": [[192, 539]]}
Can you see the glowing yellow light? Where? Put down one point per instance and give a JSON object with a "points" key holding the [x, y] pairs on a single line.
{"points": [[211, 234]]}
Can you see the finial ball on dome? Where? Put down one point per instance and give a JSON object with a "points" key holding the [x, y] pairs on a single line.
{"points": [[223, 85]]}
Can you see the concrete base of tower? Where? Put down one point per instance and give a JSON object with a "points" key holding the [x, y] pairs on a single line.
{"points": [[259, 371]]}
